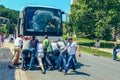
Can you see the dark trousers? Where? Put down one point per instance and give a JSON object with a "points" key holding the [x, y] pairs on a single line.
{"points": [[63, 57], [47, 59], [55, 57], [70, 63], [32, 54], [114, 55], [25, 53]]}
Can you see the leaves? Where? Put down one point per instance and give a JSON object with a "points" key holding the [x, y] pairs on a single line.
{"points": [[10, 14], [94, 17]]}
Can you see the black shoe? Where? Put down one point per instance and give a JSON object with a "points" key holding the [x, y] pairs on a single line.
{"points": [[17, 63], [65, 73], [10, 67], [43, 72]]}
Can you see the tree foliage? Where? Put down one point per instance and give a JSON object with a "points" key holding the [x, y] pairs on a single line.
{"points": [[95, 17], [10, 14]]}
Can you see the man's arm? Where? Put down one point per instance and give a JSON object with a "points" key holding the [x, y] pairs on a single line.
{"points": [[78, 50], [43, 45], [64, 49]]}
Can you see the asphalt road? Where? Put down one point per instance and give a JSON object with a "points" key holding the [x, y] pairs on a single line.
{"points": [[89, 67], [5, 57]]}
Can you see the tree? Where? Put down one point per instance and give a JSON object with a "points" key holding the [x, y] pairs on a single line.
{"points": [[95, 17], [10, 28], [2, 29], [10, 14]]}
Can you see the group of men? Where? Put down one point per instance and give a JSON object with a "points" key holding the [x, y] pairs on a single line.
{"points": [[50, 54]]}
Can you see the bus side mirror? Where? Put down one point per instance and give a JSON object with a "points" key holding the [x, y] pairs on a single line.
{"points": [[63, 12]]}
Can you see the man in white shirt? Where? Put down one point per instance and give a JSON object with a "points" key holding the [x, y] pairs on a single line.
{"points": [[63, 55], [17, 49], [61, 44], [71, 47], [25, 51]]}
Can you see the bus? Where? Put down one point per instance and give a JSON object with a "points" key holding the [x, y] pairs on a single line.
{"points": [[34, 21]]}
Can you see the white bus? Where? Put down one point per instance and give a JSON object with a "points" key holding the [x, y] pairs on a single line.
{"points": [[34, 21]]}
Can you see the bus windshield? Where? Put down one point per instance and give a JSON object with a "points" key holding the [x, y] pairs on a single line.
{"points": [[47, 20]]}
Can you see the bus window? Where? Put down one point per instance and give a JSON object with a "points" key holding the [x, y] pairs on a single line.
{"points": [[40, 20]]}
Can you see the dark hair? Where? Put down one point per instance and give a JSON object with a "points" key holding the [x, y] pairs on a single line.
{"points": [[46, 36], [70, 38], [97, 40], [59, 39], [19, 35], [33, 37]]}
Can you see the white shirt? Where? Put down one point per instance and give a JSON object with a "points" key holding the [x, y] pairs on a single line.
{"points": [[61, 44], [72, 48], [39, 48], [54, 45], [18, 42], [97, 44], [26, 44], [11, 37]]}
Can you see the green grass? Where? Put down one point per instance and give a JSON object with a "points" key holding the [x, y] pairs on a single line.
{"points": [[90, 43], [96, 52]]}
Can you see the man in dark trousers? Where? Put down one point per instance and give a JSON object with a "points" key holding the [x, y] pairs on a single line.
{"points": [[48, 52], [33, 49], [71, 47]]}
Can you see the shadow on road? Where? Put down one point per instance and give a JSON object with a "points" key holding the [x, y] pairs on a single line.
{"points": [[79, 65], [5, 58], [78, 73]]}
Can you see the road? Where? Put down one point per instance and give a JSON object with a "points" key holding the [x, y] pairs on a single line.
{"points": [[5, 57], [89, 67], [6, 54]]}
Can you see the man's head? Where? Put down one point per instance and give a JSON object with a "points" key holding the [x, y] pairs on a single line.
{"points": [[45, 37], [70, 40], [20, 35], [26, 37], [33, 37]]}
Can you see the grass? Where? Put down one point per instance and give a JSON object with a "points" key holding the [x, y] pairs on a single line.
{"points": [[96, 52], [90, 43]]}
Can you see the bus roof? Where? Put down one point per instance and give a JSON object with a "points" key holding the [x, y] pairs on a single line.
{"points": [[38, 6]]}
